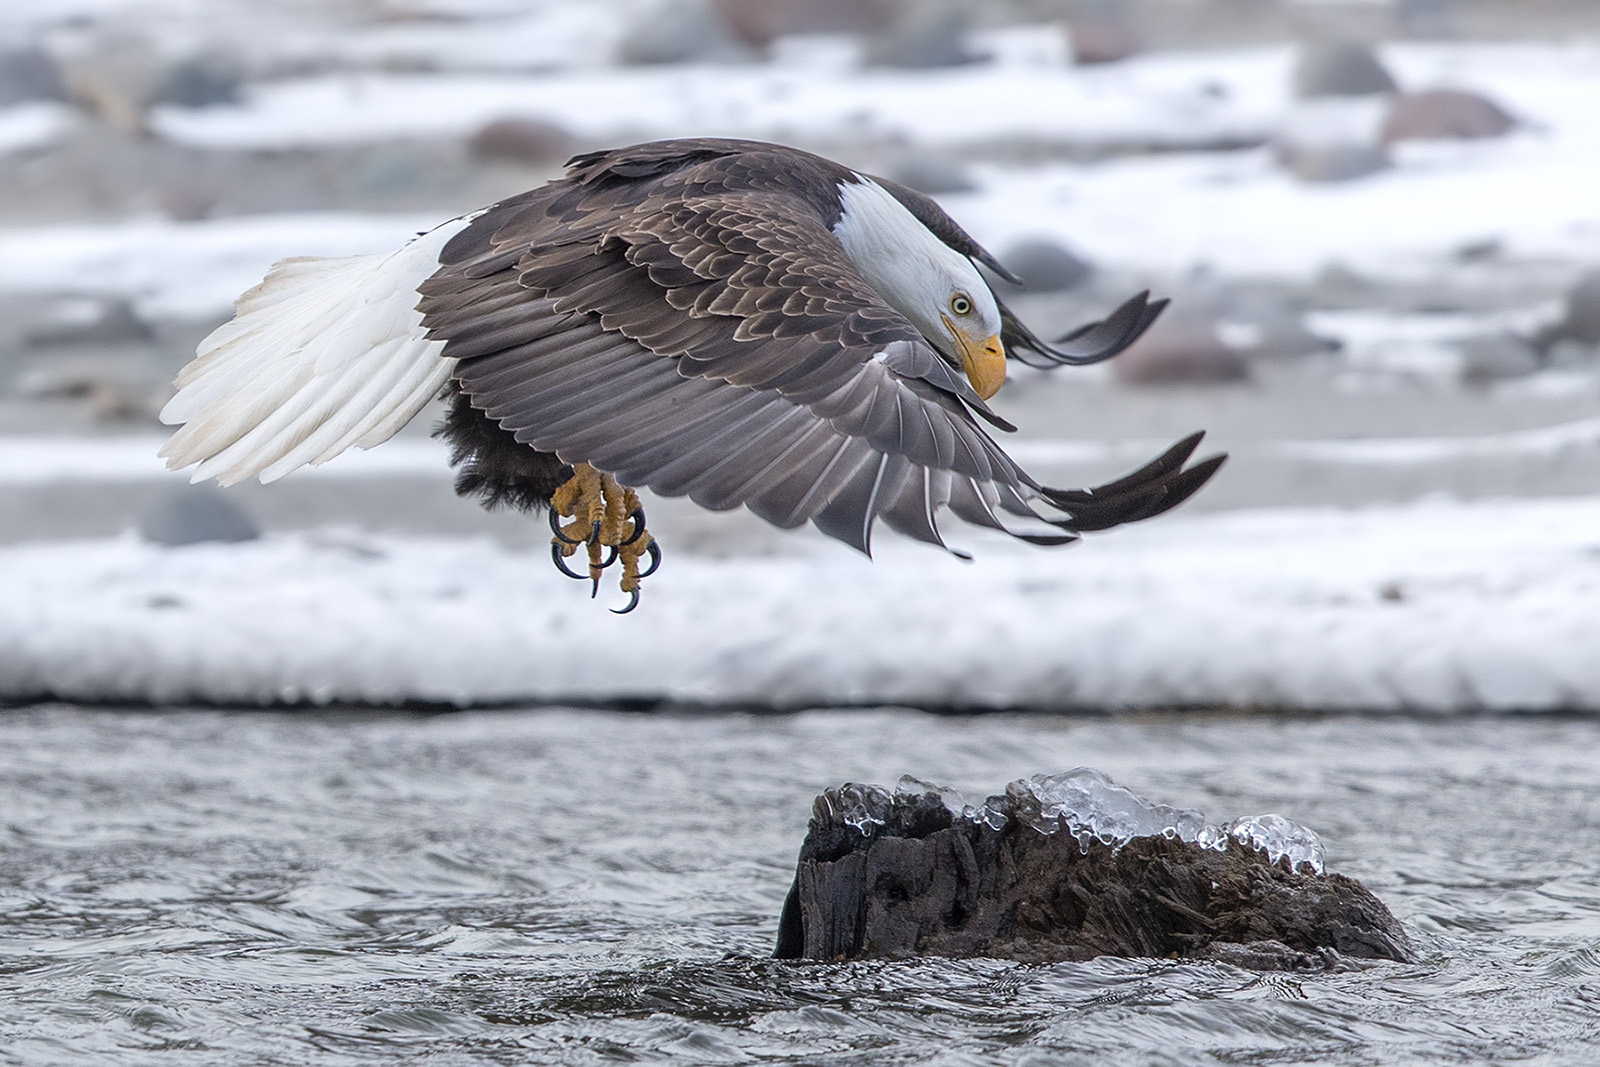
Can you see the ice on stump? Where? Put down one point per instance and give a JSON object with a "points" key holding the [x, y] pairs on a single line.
{"points": [[864, 807], [1088, 806], [1279, 837]]}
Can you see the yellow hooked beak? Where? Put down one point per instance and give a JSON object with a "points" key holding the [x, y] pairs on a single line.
{"points": [[984, 359]]}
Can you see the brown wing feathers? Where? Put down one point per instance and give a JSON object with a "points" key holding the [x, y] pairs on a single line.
{"points": [[683, 318]]}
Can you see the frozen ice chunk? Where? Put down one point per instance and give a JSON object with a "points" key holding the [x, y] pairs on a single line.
{"points": [[1088, 806], [992, 813], [1279, 837], [864, 807], [1091, 807], [952, 799]]}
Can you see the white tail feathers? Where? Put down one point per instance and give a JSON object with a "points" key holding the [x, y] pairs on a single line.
{"points": [[322, 355]]}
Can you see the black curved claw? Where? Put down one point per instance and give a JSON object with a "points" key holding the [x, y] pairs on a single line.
{"points": [[633, 602], [609, 560], [638, 525], [555, 528], [561, 562], [654, 552]]}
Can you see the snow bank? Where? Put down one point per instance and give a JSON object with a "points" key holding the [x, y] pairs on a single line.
{"points": [[185, 269], [1241, 214], [27, 461], [1171, 99], [29, 126], [1436, 607]]}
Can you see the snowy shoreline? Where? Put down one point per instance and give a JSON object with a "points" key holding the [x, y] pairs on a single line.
{"points": [[1432, 608]]}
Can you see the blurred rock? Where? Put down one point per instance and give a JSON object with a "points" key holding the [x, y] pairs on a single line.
{"points": [[91, 322], [1581, 322], [1569, 353], [198, 83], [1279, 335], [386, 169], [1180, 349], [28, 74], [1436, 114], [196, 514], [188, 198], [117, 385], [1044, 265], [1480, 250], [1426, 18], [929, 172], [679, 31], [758, 22], [116, 76], [521, 140], [1338, 286], [930, 33], [1101, 33], [1496, 357], [1340, 68]]}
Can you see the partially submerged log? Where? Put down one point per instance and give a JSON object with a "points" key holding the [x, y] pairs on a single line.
{"points": [[894, 875]]}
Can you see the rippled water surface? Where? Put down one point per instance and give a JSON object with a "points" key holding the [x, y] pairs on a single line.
{"points": [[591, 887]]}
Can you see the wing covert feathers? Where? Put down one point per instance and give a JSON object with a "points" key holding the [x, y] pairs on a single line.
{"points": [[323, 355], [681, 316]]}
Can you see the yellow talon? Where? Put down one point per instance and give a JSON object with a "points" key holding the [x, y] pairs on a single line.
{"points": [[604, 514]]}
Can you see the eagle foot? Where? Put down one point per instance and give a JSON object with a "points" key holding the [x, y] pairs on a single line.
{"points": [[608, 521]]}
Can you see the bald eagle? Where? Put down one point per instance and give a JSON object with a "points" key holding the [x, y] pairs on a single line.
{"points": [[731, 321]]}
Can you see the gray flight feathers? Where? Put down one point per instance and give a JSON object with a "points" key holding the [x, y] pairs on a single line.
{"points": [[1090, 343], [680, 315]]}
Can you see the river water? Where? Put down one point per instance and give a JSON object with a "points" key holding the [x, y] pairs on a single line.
{"points": [[564, 886]]}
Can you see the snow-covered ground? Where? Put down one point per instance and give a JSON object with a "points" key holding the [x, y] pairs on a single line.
{"points": [[1528, 196], [1029, 93], [183, 270], [1434, 607]]}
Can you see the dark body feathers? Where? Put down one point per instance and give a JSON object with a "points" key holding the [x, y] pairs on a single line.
{"points": [[680, 315]]}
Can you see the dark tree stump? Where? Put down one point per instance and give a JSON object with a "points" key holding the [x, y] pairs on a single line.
{"points": [[932, 883]]}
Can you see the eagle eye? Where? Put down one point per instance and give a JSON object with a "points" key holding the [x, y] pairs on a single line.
{"points": [[961, 304]]}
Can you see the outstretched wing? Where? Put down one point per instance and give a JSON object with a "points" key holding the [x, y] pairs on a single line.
{"points": [[689, 322]]}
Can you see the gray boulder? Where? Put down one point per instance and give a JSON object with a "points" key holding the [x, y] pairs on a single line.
{"points": [[1427, 18], [1440, 114], [1572, 354], [198, 82], [1180, 349], [932, 33], [929, 172], [117, 76], [1102, 35], [522, 140], [112, 321], [1340, 68], [28, 74], [1044, 265], [759, 22], [196, 514], [1581, 320], [1496, 357], [679, 31]]}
